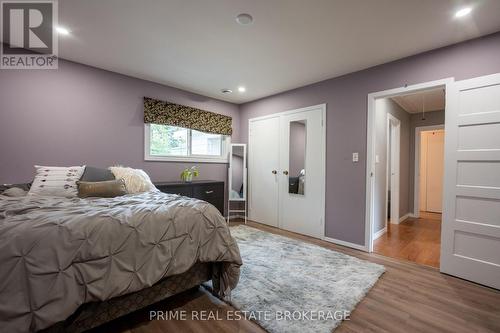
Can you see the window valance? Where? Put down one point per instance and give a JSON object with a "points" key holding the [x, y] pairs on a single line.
{"points": [[166, 113]]}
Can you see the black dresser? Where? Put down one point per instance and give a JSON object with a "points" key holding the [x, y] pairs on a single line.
{"points": [[211, 191]]}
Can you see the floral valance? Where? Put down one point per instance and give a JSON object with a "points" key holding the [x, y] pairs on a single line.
{"points": [[166, 113]]}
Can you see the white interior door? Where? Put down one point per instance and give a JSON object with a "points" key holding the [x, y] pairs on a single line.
{"points": [[471, 217], [263, 170], [302, 172], [434, 170]]}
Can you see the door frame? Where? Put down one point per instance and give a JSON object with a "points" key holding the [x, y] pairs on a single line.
{"points": [[322, 108], [370, 145], [394, 149], [416, 181]]}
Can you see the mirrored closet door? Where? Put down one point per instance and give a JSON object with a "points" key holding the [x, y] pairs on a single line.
{"points": [[287, 170]]}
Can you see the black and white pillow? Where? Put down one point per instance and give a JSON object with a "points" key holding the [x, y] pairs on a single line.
{"points": [[56, 181]]}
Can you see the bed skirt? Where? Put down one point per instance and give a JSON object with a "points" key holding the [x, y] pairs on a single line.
{"points": [[93, 314]]}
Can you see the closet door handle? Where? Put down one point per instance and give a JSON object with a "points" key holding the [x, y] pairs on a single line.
{"points": [[274, 172], [285, 173]]}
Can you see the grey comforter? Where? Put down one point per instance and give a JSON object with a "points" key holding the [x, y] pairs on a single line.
{"points": [[56, 254]]}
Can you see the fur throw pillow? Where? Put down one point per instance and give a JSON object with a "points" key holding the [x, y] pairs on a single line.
{"points": [[136, 180]]}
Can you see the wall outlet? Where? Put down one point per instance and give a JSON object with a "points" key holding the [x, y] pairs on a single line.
{"points": [[355, 157]]}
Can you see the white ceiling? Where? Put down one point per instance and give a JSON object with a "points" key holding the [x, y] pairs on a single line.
{"points": [[198, 46], [433, 100]]}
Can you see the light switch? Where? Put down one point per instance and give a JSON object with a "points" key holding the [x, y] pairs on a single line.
{"points": [[355, 157], [377, 159]]}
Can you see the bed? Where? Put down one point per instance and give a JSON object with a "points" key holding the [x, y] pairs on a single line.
{"points": [[63, 261]]}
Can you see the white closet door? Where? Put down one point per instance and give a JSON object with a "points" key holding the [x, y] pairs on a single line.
{"points": [[302, 174], [263, 165], [471, 221], [435, 168]]}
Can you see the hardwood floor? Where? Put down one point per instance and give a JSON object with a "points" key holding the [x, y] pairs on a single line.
{"points": [[407, 298], [416, 240]]}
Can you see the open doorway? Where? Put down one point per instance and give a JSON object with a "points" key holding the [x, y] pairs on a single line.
{"points": [[409, 156]]}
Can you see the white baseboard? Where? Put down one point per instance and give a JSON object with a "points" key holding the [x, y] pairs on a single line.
{"points": [[379, 233], [348, 244], [404, 217]]}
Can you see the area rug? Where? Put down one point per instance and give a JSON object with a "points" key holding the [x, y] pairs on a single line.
{"points": [[290, 286]]}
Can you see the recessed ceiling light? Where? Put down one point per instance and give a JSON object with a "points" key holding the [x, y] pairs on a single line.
{"points": [[226, 91], [463, 12], [62, 31], [244, 19], [242, 89]]}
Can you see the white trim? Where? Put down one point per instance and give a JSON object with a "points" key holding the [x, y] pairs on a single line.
{"points": [[370, 145], [193, 158], [344, 243], [244, 172], [289, 112], [416, 179], [405, 217], [230, 184], [323, 156], [380, 233], [395, 161]]}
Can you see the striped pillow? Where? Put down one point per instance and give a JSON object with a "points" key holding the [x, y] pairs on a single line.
{"points": [[56, 181]]}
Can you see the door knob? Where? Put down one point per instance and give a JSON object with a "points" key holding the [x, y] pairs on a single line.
{"points": [[274, 172], [285, 173]]}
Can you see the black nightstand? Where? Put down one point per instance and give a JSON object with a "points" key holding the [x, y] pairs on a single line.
{"points": [[211, 191]]}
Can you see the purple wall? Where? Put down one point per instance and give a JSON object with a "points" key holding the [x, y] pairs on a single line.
{"points": [[79, 114], [346, 99]]}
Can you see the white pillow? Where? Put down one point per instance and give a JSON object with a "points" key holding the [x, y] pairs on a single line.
{"points": [[56, 181], [136, 180]]}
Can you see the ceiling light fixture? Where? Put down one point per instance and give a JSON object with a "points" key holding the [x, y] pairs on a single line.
{"points": [[226, 91], [463, 12], [244, 19], [242, 89], [62, 31]]}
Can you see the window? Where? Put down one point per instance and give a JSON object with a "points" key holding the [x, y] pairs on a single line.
{"points": [[171, 143]]}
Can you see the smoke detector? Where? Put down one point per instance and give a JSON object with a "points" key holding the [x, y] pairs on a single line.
{"points": [[244, 19]]}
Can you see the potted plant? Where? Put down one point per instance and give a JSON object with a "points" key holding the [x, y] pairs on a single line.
{"points": [[188, 174]]}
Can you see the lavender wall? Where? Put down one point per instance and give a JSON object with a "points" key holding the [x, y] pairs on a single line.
{"points": [[346, 99], [79, 114]]}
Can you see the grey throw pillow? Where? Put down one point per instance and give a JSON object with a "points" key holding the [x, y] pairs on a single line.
{"points": [[93, 174]]}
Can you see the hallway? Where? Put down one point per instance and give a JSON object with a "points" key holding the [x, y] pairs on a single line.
{"points": [[416, 240]]}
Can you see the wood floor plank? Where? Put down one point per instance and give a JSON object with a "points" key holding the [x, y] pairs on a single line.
{"points": [[407, 298], [417, 240]]}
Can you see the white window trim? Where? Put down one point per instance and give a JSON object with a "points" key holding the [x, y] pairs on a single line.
{"points": [[193, 158]]}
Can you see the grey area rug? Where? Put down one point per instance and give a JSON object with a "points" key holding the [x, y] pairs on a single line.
{"points": [[281, 275]]}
